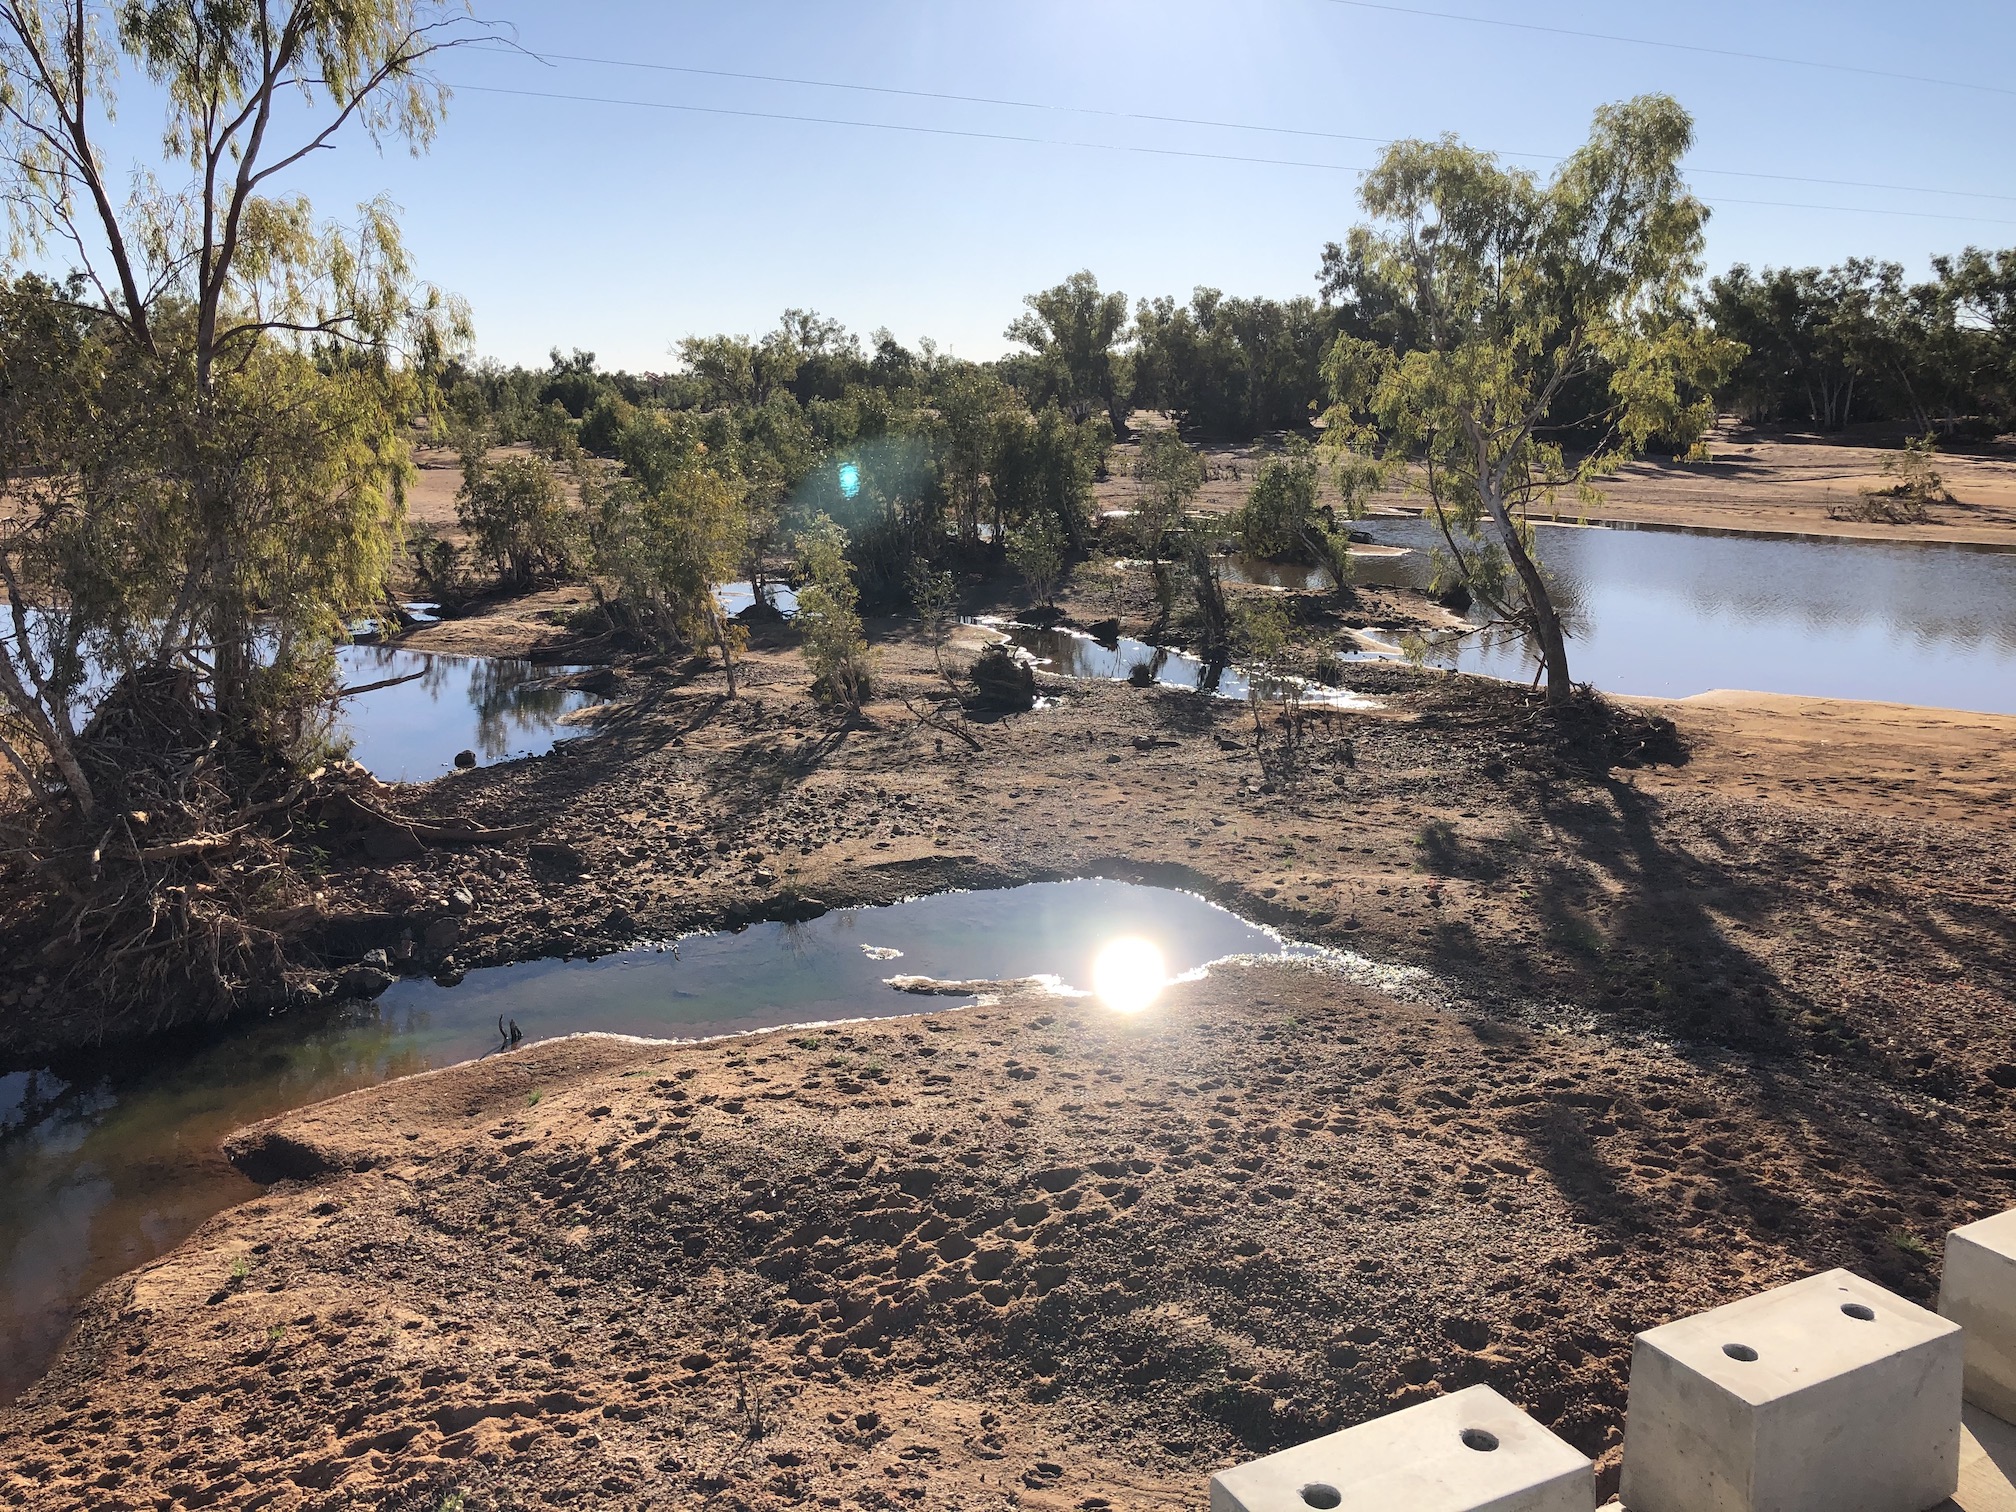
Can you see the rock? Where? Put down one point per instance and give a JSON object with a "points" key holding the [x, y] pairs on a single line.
{"points": [[795, 910], [764, 877], [461, 901], [366, 982], [1005, 682], [465, 759], [449, 973], [377, 959], [557, 855], [442, 936]]}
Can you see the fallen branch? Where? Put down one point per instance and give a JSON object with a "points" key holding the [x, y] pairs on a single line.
{"points": [[390, 682], [939, 722]]}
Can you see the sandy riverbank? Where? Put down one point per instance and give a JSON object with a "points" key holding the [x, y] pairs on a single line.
{"points": [[1034, 1254], [1753, 481]]}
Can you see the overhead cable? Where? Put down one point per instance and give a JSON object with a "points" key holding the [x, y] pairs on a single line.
{"points": [[1172, 152], [1667, 43], [1171, 120]]}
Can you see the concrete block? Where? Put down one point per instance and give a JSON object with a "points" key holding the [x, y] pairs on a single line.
{"points": [[1827, 1395], [1978, 1291], [1470, 1452]]}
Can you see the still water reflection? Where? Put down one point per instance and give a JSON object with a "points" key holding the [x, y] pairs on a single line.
{"points": [[496, 707], [103, 1174], [1673, 614]]}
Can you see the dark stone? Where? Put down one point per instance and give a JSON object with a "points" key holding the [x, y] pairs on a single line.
{"points": [[366, 982], [442, 936], [558, 856], [465, 759], [796, 910]]}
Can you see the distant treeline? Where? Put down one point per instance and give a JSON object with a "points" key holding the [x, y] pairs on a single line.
{"points": [[1828, 348]]}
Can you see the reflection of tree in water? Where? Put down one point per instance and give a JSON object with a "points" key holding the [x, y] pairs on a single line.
{"points": [[514, 697]]}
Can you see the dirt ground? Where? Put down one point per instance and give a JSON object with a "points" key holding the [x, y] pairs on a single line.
{"points": [[1682, 1031], [1026, 1255], [1756, 480]]}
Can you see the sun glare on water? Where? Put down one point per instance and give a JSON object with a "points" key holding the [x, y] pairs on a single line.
{"points": [[1129, 975]]}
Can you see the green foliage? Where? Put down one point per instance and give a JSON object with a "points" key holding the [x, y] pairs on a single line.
{"points": [[1045, 465], [1915, 485], [829, 618], [1075, 330], [603, 428], [1036, 550], [1857, 342], [1231, 367], [1520, 293], [255, 484], [666, 544], [517, 512]]}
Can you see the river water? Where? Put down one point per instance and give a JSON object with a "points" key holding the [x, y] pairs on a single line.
{"points": [[1670, 613], [101, 1174]]}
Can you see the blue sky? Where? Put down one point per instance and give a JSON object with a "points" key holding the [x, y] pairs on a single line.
{"points": [[621, 229]]}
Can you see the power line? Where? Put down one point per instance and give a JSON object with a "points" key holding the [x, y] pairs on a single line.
{"points": [[1174, 152], [1689, 47], [1169, 120]]}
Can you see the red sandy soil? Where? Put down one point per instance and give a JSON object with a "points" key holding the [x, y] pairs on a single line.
{"points": [[1755, 480], [1691, 1030]]}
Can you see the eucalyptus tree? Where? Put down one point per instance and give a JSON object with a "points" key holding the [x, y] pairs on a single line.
{"points": [[1075, 329], [207, 480], [263, 347], [1520, 293]]}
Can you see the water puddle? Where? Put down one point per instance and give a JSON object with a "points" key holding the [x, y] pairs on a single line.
{"points": [[496, 707], [739, 598], [103, 1175], [1371, 566], [1072, 653]]}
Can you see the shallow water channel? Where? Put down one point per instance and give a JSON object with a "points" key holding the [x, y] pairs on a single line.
{"points": [[99, 1176], [1673, 613]]}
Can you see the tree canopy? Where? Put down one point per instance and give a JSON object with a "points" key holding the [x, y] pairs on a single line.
{"points": [[1520, 294]]}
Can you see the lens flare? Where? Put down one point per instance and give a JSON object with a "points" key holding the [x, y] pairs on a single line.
{"points": [[850, 479], [1129, 975]]}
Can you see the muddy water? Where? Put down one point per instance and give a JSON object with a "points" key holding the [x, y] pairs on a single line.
{"points": [[1671, 614], [104, 1172], [497, 708]]}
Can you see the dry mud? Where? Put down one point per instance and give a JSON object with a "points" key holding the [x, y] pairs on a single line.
{"points": [[1031, 1254]]}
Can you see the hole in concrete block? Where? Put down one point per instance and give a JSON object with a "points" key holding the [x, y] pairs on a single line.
{"points": [[1316, 1494], [1741, 1352], [1480, 1440], [1859, 1310]]}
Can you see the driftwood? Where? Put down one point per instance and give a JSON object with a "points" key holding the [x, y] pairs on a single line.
{"points": [[390, 682]]}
